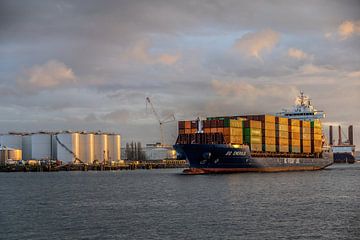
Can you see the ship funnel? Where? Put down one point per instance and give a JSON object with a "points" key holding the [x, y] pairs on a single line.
{"points": [[331, 140], [351, 135], [340, 140]]}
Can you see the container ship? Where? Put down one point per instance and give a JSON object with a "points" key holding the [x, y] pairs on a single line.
{"points": [[287, 141]]}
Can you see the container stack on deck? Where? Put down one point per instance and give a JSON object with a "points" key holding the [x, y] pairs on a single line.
{"points": [[305, 137], [262, 133], [294, 136], [316, 136], [282, 135]]}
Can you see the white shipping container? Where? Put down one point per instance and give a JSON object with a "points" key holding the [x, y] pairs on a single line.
{"points": [[41, 146], [68, 146]]}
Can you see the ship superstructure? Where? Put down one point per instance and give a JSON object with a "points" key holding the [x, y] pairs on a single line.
{"points": [[303, 110]]}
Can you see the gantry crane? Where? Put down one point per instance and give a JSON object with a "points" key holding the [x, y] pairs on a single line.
{"points": [[167, 119]]}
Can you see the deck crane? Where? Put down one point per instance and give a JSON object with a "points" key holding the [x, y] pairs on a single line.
{"points": [[167, 119]]}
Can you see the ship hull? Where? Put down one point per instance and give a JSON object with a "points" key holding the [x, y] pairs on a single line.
{"points": [[223, 158]]}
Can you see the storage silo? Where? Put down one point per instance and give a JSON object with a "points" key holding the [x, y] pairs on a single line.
{"points": [[114, 146], [67, 146], [54, 146], [41, 146], [101, 147], [9, 154], [87, 147], [12, 141], [26, 147]]}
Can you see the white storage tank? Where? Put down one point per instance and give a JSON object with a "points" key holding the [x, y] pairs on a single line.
{"points": [[26, 147], [11, 141], [114, 146], [54, 146], [68, 146], [87, 147], [9, 154], [41, 146], [101, 147]]}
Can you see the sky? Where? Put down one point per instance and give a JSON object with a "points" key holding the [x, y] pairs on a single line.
{"points": [[89, 65]]}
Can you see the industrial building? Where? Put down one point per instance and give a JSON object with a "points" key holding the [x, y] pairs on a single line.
{"points": [[66, 146]]}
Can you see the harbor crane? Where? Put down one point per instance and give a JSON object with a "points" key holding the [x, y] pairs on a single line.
{"points": [[167, 119]]}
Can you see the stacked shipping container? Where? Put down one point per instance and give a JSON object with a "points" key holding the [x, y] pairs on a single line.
{"points": [[282, 134], [316, 136], [263, 133]]}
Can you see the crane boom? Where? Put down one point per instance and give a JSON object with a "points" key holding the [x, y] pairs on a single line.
{"points": [[161, 122]]}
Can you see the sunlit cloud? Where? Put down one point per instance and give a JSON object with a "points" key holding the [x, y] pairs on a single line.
{"points": [[298, 54], [255, 44], [345, 30], [140, 52], [51, 75]]}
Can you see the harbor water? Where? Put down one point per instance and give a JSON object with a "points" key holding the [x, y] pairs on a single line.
{"points": [[164, 204]]}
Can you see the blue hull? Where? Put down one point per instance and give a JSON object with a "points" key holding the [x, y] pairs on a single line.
{"points": [[221, 158]]}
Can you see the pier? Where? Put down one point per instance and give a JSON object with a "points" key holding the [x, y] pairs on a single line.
{"points": [[128, 165]]}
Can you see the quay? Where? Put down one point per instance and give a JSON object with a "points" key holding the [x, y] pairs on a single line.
{"points": [[128, 165]]}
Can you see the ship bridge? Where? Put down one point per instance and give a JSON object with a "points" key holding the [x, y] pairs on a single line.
{"points": [[302, 110]]}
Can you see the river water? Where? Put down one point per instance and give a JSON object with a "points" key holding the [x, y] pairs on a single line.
{"points": [[164, 204]]}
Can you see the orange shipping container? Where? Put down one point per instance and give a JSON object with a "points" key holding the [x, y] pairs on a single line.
{"points": [[187, 124]]}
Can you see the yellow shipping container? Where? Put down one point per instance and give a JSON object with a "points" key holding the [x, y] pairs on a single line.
{"points": [[317, 137], [283, 141], [306, 124], [306, 143], [284, 128], [306, 149], [306, 130], [236, 131], [283, 134], [295, 142], [283, 121], [269, 126], [295, 129], [256, 147], [295, 122], [269, 133], [283, 148], [269, 148], [306, 136], [236, 123], [270, 140]]}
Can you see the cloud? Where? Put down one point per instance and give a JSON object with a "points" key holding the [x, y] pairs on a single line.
{"points": [[345, 30], [298, 54], [246, 90], [348, 28], [255, 44], [140, 52], [51, 75]]}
